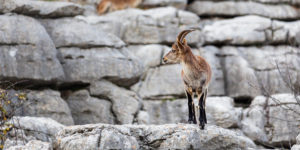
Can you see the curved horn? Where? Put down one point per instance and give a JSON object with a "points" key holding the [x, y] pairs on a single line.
{"points": [[183, 33]]}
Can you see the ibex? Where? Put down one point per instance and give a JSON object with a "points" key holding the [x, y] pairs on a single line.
{"points": [[196, 75], [113, 5]]}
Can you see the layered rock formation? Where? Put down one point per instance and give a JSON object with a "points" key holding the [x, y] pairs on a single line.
{"points": [[79, 68]]}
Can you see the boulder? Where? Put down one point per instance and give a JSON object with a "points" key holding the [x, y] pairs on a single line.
{"points": [[272, 120], [220, 111], [161, 81], [41, 8], [27, 51], [88, 110], [125, 103], [240, 77], [34, 128], [116, 65], [240, 8], [75, 33], [166, 111], [32, 145], [154, 3], [150, 55], [101, 136], [152, 26], [248, 69], [47, 103], [244, 30]]}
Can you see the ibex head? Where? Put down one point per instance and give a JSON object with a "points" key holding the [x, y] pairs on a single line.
{"points": [[179, 48]]}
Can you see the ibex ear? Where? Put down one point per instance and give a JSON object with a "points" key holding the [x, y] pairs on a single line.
{"points": [[180, 46], [184, 42]]}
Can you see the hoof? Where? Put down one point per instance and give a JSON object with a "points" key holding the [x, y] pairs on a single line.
{"points": [[191, 122], [202, 127]]}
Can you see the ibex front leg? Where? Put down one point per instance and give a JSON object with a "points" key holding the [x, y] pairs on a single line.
{"points": [[202, 116], [192, 117]]}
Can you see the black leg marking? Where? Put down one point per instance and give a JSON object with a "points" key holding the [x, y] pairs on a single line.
{"points": [[192, 118], [202, 116]]}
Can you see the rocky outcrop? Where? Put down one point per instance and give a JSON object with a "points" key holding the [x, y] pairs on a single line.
{"points": [[272, 120], [34, 128], [41, 8], [32, 145], [149, 137], [47, 103], [125, 103], [86, 109], [240, 8], [27, 51], [219, 110], [80, 45]]}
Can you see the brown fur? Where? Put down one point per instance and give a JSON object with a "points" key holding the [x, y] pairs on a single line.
{"points": [[113, 5], [196, 72]]}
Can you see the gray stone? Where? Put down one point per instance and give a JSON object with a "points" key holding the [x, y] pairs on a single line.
{"points": [[154, 3], [149, 55], [47, 103], [125, 103], [87, 65], [231, 8], [41, 8], [240, 31], [34, 128], [143, 117], [152, 26], [285, 32], [87, 110], [272, 120], [75, 33], [269, 67], [220, 111], [296, 147], [32, 145], [170, 136], [162, 81], [27, 51], [240, 77], [166, 111]]}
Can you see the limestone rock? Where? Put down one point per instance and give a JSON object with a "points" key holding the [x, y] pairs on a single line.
{"points": [[113, 64], [32, 145], [162, 81], [153, 136], [272, 120], [233, 8], [125, 103], [176, 3], [35, 128], [27, 51], [41, 8], [150, 55], [240, 31], [75, 33], [47, 103], [87, 110], [220, 111]]}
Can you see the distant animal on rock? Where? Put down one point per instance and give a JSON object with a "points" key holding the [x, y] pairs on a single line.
{"points": [[112, 5], [196, 75]]}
